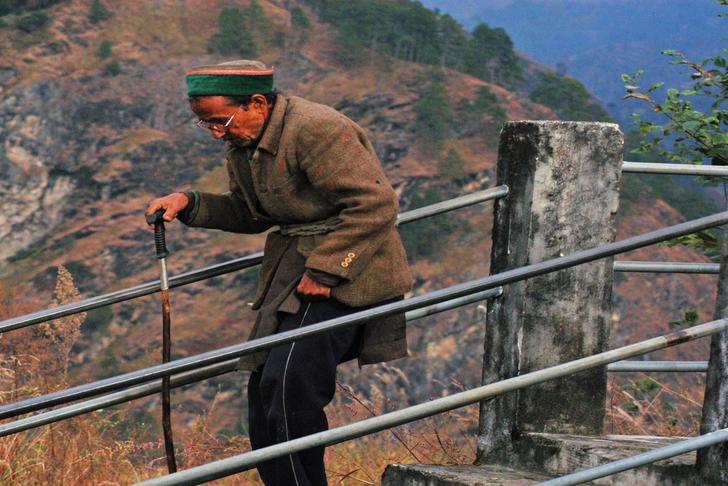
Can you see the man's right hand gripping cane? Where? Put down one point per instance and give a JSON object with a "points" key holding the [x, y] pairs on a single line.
{"points": [[172, 204]]}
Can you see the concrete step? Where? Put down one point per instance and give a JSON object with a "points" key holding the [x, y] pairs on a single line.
{"points": [[457, 475], [537, 457], [559, 454]]}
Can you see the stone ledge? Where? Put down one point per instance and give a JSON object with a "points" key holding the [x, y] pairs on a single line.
{"points": [[457, 475], [538, 457], [559, 454]]}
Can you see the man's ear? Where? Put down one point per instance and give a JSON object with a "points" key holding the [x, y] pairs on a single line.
{"points": [[259, 100]]}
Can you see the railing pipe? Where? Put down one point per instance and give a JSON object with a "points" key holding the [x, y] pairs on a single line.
{"points": [[116, 398], [225, 267], [453, 303], [662, 366], [666, 267], [216, 356], [248, 460], [130, 293], [196, 375], [645, 458], [675, 169], [452, 204]]}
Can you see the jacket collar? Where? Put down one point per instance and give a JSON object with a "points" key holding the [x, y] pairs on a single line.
{"points": [[272, 134]]}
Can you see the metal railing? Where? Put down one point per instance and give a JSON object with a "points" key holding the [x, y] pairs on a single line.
{"points": [[667, 267], [216, 270], [198, 375], [248, 460], [662, 366], [674, 169], [217, 356]]}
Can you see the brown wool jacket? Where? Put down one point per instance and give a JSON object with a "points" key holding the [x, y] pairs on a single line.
{"points": [[313, 163]]}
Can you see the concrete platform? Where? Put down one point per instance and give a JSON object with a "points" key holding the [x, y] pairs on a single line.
{"points": [[459, 475], [559, 454], [538, 457]]}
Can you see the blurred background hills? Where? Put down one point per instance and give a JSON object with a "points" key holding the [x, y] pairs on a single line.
{"points": [[594, 41]]}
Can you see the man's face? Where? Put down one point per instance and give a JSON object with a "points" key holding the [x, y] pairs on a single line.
{"points": [[246, 124]]}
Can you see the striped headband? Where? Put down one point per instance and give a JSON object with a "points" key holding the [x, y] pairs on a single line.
{"points": [[222, 80]]}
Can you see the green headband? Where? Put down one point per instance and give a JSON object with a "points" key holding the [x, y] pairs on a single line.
{"points": [[214, 81]]}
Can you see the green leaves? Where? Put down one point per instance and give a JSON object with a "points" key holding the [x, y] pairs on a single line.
{"points": [[689, 134], [691, 125], [690, 319], [656, 86], [704, 241]]}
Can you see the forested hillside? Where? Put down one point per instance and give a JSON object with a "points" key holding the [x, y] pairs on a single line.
{"points": [[596, 41]]}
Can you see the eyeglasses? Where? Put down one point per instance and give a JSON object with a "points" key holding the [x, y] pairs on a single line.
{"points": [[217, 127]]}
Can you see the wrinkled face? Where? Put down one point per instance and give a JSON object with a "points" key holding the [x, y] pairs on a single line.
{"points": [[246, 124]]}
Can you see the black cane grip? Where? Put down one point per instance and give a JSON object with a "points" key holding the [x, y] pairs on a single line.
{"points": [[160, 243]]}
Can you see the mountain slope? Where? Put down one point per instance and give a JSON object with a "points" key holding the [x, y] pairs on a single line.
{"points": [[595, 41]]}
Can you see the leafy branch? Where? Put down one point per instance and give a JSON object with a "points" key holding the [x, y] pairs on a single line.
{"points": [[695, 127], [689, 136]]}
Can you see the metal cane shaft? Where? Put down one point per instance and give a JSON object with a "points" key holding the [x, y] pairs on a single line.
{"points": [[163, 279]]}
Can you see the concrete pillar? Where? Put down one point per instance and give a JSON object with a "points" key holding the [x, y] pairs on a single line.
{"points": [[564, 193], [712, 462]]}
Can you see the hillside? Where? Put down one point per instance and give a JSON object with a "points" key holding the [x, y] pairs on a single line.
{"points": [[95, 123], [596, 41]]}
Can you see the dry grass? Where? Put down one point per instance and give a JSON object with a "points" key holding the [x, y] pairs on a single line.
{"points": [[445, 439], [645, 405]]}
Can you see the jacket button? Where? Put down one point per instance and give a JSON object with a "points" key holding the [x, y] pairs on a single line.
{"points": [[344, 264], [350, 255]]}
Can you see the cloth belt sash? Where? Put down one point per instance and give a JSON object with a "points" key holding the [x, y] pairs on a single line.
{"points": [[309, 229]]}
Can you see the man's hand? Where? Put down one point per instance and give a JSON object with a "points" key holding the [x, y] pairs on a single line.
{"points": [[172, 203], [311, 288]]}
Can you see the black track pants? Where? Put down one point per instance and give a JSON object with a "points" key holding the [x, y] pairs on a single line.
{"points": [[287, 395]]}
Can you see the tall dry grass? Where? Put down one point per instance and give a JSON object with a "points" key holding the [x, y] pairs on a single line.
{"points": [[649, 404]]}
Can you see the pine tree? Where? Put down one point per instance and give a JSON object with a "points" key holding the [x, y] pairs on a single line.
{"points": [[98, 12], [433, 116], [233, 36], [453, 165]]}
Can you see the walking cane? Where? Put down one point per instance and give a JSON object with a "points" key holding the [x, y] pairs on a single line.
{"points": [[159, 242]]}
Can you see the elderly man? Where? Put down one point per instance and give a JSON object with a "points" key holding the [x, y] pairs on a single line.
{"points": [[312, 172]]}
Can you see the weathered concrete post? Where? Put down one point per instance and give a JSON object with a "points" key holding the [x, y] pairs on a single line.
{"points": [[712, 461], [564, 193]]}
